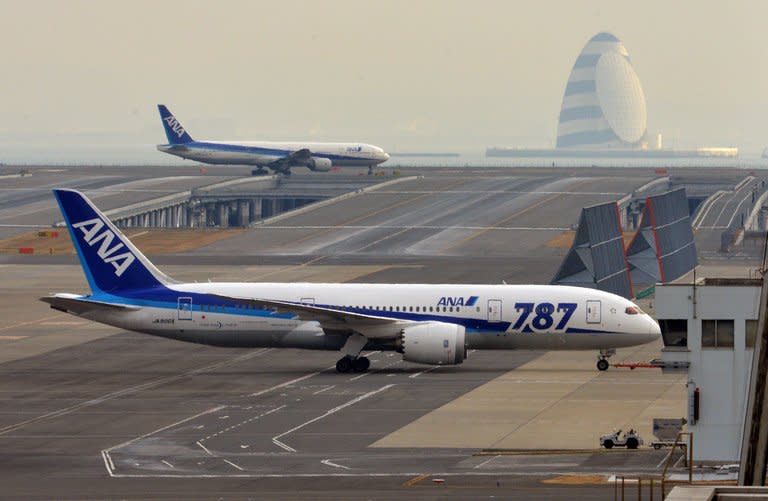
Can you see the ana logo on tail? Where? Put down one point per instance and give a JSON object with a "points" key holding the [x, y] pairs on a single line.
{"points": [[92, 234], [174, 125]]}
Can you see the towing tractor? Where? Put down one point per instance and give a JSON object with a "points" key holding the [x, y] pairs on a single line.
{"points": [[630, 440]]}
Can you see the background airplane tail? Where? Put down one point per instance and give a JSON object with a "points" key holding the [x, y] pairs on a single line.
{"points": [[174, 131], [110, 261]]}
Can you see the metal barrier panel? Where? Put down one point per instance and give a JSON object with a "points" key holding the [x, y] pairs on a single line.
{"points": [[663, 248], [596, 259]]}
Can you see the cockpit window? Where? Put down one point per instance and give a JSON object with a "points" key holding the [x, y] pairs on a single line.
{"points": [[633, 310]]}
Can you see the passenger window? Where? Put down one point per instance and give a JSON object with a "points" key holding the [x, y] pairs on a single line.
{"points": [[430, 308], [450, 309]]}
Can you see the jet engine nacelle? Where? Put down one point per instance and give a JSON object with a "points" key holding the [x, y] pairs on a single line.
{"points": [[434, 343], [319, 164]]}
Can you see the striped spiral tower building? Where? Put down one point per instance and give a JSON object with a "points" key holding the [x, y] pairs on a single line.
{"points": [[603, 105]]}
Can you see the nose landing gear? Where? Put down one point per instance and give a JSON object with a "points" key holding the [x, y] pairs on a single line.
{"points": [[602, 358]]}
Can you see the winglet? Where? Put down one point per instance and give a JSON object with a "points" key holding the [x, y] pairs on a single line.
{"points": [[110, 261], [174, 131]]}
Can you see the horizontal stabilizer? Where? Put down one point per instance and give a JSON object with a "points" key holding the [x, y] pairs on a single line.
{"points": [[79, 305]]}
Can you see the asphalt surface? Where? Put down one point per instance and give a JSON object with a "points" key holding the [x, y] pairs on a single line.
{"points": [[90, 412]]}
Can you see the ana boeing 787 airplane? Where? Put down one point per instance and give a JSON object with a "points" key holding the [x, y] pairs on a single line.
{"points": [[276, 155], [428, 324]]}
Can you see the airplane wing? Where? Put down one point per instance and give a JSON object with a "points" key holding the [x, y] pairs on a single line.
{"points": [[78, 305], [299, 157], [370, 326]]}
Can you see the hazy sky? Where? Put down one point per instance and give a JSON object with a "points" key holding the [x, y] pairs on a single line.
{"points": [[83, 78]]}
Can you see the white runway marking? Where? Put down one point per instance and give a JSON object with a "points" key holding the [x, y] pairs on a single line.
{"points": [[360, 475], [414, 376], [204, 448], [328, 462], [413, 227], [500, 192], [287, 383], [167, 463], [131, 389], [233, 464], [282, 445], [212, 435], [478, 466], [380, 369]]}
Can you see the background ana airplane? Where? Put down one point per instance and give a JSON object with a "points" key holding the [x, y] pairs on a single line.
{"points": [[278, 156], [429, 324]]}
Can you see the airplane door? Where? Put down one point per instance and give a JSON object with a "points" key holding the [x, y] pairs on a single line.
{"points": [[494, 310], [185, 308], [593, 312]]}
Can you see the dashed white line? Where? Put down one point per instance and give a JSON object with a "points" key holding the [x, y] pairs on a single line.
{"points": [[212, 435]]}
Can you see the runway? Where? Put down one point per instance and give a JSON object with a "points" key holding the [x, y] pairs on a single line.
{"points": [[102, 413]]}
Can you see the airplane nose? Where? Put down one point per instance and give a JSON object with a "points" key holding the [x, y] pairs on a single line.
{"points": [[385, 156], [654, 330]]}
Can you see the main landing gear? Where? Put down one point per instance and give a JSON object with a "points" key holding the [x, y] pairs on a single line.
{"points": [[602, 358], [349, 364]]}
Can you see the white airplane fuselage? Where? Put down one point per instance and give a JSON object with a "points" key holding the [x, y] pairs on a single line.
{"points": [[494, 316], [263, 153]]}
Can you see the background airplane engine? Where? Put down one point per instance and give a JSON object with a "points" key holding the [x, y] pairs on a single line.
{"points": [[433, 343], [320, 164]]}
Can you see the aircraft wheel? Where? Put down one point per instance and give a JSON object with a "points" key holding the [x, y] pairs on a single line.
{"points": [[602, 365], [344, 365], [361, 364]]}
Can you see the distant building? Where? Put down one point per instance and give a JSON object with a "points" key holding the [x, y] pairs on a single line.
{"points": [[603, 104], [603, 116]]}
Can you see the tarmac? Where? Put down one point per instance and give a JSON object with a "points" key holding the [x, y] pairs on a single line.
{"points": [[92, 412]]}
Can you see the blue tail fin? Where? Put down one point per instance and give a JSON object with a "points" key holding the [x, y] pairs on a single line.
{"points": [[110, 261], [173, 128]]}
